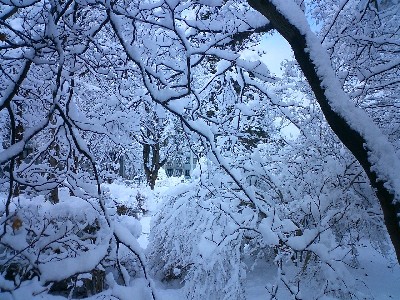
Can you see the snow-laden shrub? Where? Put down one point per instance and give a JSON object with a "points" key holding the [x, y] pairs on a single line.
{"points": [[212, 231], [69, 246], [55, 242], [128, 198], [193, 240]]}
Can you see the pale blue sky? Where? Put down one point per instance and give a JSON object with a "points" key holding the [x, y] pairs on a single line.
{"points": [[273, 50], [276, 51]]}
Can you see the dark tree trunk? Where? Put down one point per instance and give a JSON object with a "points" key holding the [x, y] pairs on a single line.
{"points": [[53, 154], [350, 137], [53, 196], [151, 169], [19, 133]]}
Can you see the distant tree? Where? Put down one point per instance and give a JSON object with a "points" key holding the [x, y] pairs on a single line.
{"points": [[160, 141]]}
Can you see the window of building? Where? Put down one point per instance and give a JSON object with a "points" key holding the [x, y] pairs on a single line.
{"points": [[170, 172], [187, 173], [178, 162], [178, 172], [187, 160]]}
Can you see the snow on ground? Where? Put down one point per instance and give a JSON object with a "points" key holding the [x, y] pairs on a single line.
{"points": [[381, 277], [378, 277], [143, 239]]}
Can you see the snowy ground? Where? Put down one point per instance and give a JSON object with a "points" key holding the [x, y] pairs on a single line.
{"points": [[381, 279]]}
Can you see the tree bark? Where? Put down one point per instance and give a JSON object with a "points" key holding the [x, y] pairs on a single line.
{"points": [[151, 170], [19, 134], [352, 138]]}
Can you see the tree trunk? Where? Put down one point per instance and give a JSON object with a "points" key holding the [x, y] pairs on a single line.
{"points": [[351, 137], [53, 196], [151, 170], [19, 134]]}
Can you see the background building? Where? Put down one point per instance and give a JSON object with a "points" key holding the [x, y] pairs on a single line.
{"points": [[181, 165]]}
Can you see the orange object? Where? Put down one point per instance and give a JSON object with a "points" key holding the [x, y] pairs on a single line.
{"points": [[16, 224]]}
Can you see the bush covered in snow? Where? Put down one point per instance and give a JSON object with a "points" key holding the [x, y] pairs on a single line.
{"points": [[68, 246]]}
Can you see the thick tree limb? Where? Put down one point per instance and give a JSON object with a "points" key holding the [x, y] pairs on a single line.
{"points": [[352, 136], [13, 87]]}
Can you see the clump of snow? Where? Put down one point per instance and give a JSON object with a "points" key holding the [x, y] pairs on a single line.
{"points": [[206, 245], [303, 241], [268, 235], [85, 262]]}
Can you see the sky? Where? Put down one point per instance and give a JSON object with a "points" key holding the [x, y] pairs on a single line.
{"points": [[276, 51], [273, 50]]}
